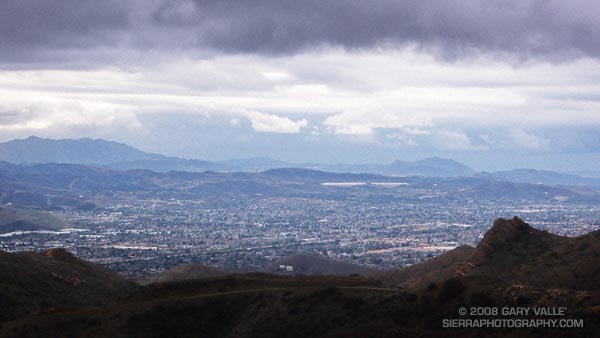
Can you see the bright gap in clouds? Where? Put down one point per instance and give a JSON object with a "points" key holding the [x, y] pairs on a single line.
{"points": [[376, 105]]}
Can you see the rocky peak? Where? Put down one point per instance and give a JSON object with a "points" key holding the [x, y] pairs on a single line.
{"points": [[505, 230], [61, 254], [511, 240]]}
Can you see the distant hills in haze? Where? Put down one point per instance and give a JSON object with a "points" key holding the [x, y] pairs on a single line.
{"points": [[97, 152], [115, 155], [12, 219], [430, 167], [52, 186], [540, 177], [81, 151]]}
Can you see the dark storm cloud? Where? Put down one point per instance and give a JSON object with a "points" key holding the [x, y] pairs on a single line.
{"points": [[279, 26], [32, 27], [58, 21], [452, 28]]}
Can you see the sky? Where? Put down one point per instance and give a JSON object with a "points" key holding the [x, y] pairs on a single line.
{"points": [[494, 84]]}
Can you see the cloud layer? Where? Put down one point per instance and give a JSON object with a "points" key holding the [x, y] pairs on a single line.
{"points": [[55, 30], [331, 80]]}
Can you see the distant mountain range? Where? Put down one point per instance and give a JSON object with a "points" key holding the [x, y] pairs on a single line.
{"points": [[121, 156], [534, 176], [81, 151], [97, 152], [430, 167], [54, 186]]}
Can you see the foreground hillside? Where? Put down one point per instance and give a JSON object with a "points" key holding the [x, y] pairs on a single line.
{"points": [[184, 272], [32, 282], [435, 270], [515, 266], [314, 265], [266, 306]]}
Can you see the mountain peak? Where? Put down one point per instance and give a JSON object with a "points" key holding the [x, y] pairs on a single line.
{"points": [[436, 159], [79, 151], [64, 256], [505, 230], [61, 254], [432, 166], [510, 241]]}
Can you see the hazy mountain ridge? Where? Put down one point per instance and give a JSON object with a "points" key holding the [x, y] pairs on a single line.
{"points": [[255, 164], [170, 164], [80, 151], [535, 176], [12, 219], [429, 167], [96, 152], [72, 186], [433, 166], [120, 156]]}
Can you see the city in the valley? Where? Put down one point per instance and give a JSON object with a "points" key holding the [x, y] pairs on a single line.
{"points": [[250, 221]]}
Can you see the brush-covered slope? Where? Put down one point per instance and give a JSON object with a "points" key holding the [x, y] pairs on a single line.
{"points": [[32, 282], [512, 252], [315, 265], [516, 252], [573, 263], [509, 243], [514, 266], [186, 272], [261, 305], [435, 270]]}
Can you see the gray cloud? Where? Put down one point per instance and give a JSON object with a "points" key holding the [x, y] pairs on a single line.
{"points": [[51, 29], [60, 22], [34, 29]]}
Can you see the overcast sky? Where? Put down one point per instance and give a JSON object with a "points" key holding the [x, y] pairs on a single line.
{"points": [[495, 84]]}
